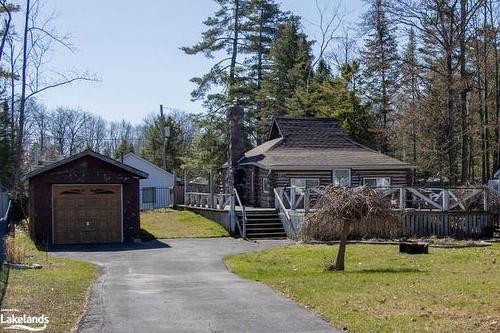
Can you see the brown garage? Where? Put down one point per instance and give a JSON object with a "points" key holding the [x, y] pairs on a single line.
{"points": [[85, 198]]}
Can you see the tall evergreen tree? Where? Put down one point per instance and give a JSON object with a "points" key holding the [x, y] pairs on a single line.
{"points": [[410, 94], [123, 149], [380, 60], [263, 20], [6, 153], [163, 142], [290, 59], [224, 34]]}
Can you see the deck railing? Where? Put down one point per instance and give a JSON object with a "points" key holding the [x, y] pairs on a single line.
{"points": [[441, 199], [207, 200], [456, 212], [242, 225]]}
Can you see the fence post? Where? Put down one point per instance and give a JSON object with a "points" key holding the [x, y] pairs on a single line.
{"points": [[306, 200], [402, 197], [486, 206], [172, 194], [446, 199], [232, 214], [185, 188], [211, 189]]}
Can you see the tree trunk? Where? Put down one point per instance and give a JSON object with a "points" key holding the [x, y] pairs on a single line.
{"points": [[339, 262], [463, 95], [260, 51], [486, 116], [234, 55], [6, 29], [22, 104], [496, 158], [450, 102]]}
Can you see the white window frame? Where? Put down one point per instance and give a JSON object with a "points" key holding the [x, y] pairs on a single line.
{"points": [[376, 178], [334, 177], [306, 179]]}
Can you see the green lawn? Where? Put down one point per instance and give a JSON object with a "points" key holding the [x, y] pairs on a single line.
{"points": [[167, 223], [449, 290], [58, 290]]}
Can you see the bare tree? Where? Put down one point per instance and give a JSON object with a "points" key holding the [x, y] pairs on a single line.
{"points": [[39, 37], [340, 210], [330, 20]]}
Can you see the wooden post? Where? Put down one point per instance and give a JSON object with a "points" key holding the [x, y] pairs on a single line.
{"points": [[292, 198], [306, 200], [486, 206], [185, 187], [446, 199], [402, 197], [174, 186], [211, 189], [232, 214]]}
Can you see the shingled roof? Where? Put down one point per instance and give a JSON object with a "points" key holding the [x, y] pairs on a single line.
{"points": [[315, 143]]}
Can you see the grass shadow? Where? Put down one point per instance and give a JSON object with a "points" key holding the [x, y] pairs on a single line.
{"points": [[390, 270], [146, 235]]}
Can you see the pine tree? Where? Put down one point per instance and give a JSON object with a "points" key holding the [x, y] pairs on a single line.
{"points": [[6, 158], [163, 145], [380, 63], [123, 149], [290, 60], [224, 34], [264, 18], [337, 97], [208, 150], [410, 95]]}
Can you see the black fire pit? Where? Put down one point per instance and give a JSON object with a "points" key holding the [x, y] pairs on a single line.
{"points": [[414, 247]]}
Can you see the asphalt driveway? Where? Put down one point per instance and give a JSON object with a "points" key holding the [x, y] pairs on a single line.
{"points": [[183, 286]]}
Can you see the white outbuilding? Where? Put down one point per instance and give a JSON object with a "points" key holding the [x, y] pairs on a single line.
{"points": [[156, 190]]}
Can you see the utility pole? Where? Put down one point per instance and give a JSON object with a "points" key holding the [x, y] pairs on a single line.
{"points": [[165, 132]]}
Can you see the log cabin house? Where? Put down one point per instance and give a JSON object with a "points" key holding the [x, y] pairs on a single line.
{"points": [[309, 152]]}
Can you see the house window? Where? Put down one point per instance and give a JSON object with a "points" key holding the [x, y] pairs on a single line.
{"points": [[149, 195], [342, 177], [304, 183], [266, 187], [377, 182]]}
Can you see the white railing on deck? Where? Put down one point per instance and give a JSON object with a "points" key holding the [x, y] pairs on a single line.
{"points": [[283, 211], [242, 225], [207, 200], [441, 199]]}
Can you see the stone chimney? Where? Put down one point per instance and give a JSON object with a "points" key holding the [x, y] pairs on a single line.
{"points": [[236, 144]]}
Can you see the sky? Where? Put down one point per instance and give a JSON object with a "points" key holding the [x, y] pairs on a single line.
{"points": [[133, 48]]}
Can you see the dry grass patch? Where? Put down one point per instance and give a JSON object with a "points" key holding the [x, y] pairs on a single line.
{"points": [[14, 250], [448, 290], [58, 290]]}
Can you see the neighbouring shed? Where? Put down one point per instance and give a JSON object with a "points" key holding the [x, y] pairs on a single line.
{"points": [[85, 198]]}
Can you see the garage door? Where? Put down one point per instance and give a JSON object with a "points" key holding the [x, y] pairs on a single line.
{"points": [[87, 213]]}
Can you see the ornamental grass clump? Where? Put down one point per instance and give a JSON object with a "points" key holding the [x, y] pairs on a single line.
{"points": [[341, 211]]}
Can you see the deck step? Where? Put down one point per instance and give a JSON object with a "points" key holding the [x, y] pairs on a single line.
{"points": [[263, 224]]}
